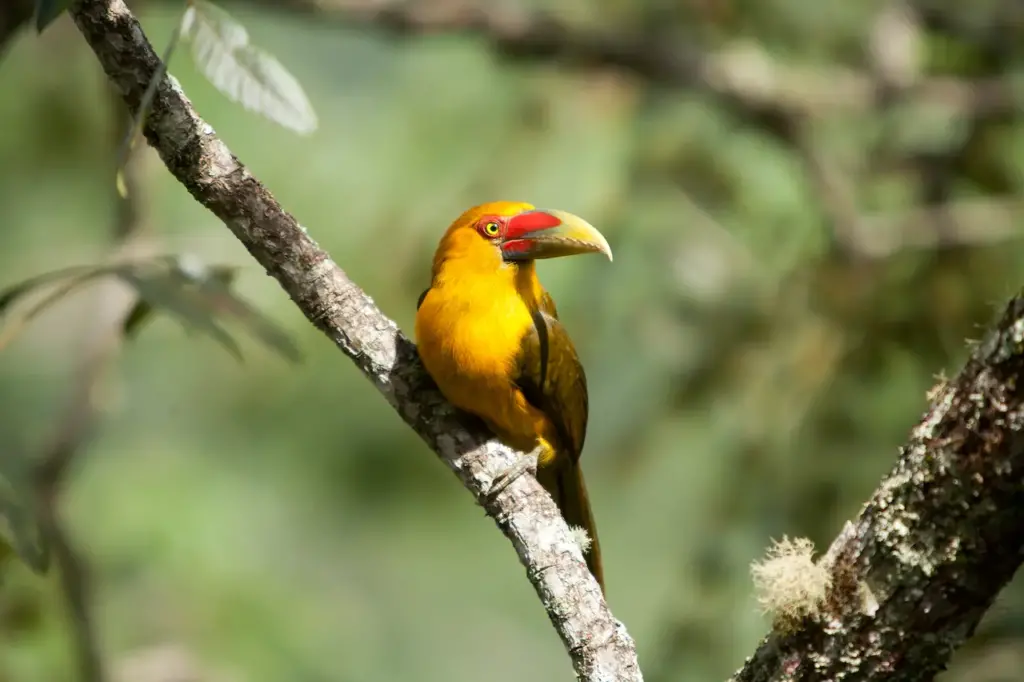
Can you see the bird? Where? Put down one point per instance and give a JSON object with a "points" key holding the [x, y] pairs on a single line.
{"points": [[489, 335]]}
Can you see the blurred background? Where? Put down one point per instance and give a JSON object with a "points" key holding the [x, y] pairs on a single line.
{"points": [[812, 207]]}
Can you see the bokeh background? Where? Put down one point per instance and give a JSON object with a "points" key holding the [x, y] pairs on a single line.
{"points": [[812, 206]]}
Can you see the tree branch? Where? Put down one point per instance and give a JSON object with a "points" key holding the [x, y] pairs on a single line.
{"points": [[784, 99], [936, 543], [910, 579], [599, 646], [744, 74]]}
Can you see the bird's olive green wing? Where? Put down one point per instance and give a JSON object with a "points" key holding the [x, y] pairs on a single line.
{"points": [[551, 377], [547, 305]]}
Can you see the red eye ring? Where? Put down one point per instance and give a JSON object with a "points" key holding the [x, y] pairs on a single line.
{"points": [[491, 229]]}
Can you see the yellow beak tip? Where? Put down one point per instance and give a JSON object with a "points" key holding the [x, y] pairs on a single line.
{"points": [[585, 233]]}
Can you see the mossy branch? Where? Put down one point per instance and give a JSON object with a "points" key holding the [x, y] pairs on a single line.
{"points": [[909, 580]]}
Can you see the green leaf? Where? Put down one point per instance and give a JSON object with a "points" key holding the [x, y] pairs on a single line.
{"points": [[47, 11], [242, 72], [169, 291], [217, 287], [203, 291]]}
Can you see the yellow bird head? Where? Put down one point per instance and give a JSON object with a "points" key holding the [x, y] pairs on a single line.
{"points": [[513, 232]]}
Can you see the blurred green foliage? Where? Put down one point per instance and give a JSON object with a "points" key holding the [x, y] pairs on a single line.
{"points": [[751, 373]]}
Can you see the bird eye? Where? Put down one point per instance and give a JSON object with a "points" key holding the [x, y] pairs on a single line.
{"points": [[491, 229]]}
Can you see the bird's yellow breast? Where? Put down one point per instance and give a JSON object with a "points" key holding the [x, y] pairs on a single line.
{"points": [[468, 332], [469, 336]]}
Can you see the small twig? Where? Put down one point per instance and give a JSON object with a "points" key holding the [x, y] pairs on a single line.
{"points": [[76, 428], [74, 584], [12, 329], [71, 438]]}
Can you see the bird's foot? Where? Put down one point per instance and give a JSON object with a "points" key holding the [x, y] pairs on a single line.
{"points": [[523, 465]]}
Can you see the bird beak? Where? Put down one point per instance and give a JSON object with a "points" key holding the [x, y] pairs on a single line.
{"points": [[540, 233]]}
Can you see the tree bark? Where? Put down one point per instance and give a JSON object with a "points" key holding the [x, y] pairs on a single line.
{"points": [[930, 551]]}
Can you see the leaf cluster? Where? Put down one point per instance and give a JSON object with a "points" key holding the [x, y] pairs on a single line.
{"points": [[199, 296]]}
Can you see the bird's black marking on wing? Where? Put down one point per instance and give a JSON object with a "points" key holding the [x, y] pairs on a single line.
{"points": [[551, 378], [542, 340], [419, 301]]}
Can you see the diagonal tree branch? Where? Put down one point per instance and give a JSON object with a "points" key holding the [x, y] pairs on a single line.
{"points": [[910, 579], [599, 646]]}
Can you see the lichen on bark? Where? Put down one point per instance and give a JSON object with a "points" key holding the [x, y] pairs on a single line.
{"points": [[936, 542]]}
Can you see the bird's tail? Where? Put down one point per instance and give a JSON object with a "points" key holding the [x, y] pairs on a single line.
{"points": [[564, 481]]}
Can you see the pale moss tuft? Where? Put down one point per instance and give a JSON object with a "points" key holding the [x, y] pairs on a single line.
{"points": [[581, 537], [789, 585]]}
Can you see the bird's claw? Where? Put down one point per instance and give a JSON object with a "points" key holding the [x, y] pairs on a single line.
{"points": [[506, 478]]}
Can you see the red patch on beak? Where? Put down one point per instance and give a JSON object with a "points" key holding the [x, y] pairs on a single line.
{"points": [[522, 224]]}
